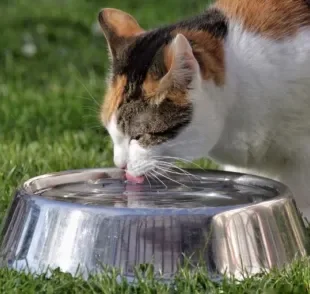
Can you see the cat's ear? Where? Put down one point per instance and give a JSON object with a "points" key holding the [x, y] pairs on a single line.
{"points": [[117, 26], [181, 63]]}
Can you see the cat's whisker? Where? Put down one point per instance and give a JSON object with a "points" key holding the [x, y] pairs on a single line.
{"points": [[83, 97], [172, 180], [91, 108], [90, 119], [88, 115], [90, 99], [96, 102], [151, 176], [148, 180], [143, 165], [180, 159], [158, 179], [93, 124], [94, 127], [171, 169], [168, 171], [168, 164]]}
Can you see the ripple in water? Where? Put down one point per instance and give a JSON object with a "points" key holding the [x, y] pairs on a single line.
{"points": [[190, 193]]}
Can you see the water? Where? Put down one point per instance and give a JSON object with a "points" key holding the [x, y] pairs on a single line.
{"points": [[182, 192]]}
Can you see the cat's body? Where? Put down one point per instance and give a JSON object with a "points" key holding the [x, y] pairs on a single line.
{"points": [[232, 84], [267, 130]]}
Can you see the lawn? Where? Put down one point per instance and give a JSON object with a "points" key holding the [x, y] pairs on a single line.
{"points": [[52, 66]]}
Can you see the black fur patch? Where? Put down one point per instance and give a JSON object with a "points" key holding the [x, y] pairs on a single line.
{"points": [[139, 56], [152, 124], [212, 21]]}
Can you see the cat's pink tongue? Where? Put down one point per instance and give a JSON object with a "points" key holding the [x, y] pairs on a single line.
{"points": [[137, 180]]}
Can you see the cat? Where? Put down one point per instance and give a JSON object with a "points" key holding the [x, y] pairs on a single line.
{"points": [[231, 84]]}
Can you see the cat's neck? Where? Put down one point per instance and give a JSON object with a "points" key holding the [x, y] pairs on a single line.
{"points": [[262, 82], [211, 21]]}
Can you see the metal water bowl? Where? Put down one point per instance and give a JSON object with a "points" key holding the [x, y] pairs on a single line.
{"points": [[80, 221]]}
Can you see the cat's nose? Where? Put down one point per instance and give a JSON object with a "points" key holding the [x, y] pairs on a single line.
{"points": [[120, 161], [124, 166]]}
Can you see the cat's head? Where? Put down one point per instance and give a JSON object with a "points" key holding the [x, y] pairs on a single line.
{"points": [[154, 108]]}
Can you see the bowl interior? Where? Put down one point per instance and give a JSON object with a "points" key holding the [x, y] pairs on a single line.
{"points": [[189, 189]]}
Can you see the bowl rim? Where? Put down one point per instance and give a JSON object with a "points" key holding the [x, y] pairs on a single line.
{"points": [[37, 183]]}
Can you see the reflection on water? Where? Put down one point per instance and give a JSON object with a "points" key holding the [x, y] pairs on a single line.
{"points": [[192, 193]]}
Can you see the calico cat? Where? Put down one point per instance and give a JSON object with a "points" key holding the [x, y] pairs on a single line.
{"points": [[231, 84]]}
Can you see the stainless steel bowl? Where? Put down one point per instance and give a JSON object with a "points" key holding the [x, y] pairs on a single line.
{"points": [[82, 220]]}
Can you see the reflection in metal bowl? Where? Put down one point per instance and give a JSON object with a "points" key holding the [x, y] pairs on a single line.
{"points": [[82, 220]]}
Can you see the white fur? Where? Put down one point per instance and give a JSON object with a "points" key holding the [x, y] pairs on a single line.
{"points": [[267, 126], [120, 144], [128, 153], [258, 122]]}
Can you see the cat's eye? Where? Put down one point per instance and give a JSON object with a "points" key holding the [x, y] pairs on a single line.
{"points": [[137, 137]]}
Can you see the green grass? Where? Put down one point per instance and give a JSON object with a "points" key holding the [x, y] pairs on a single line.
{"points": [[292, 281], [49, 122]]}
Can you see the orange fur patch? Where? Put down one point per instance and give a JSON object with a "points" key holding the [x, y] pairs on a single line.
{"points": [[156, 91], [113, 98], [274, 19], [150, 85], [209, 51], [179, 97], [122, 23]]}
